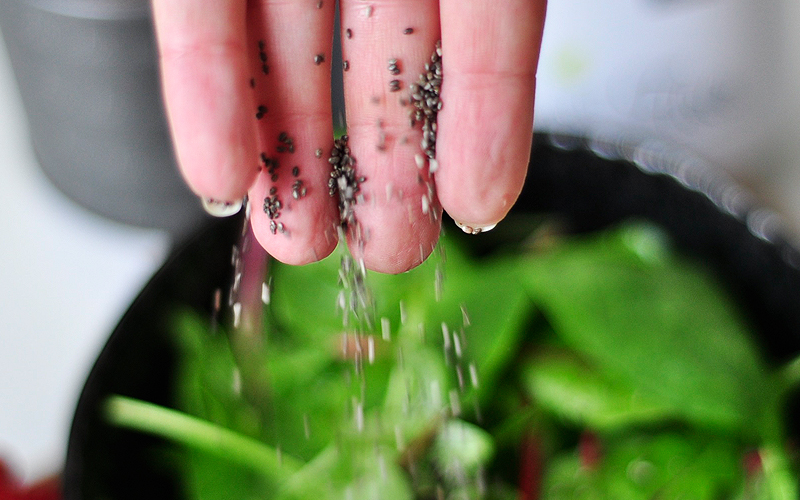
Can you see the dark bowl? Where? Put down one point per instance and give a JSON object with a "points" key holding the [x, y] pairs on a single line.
{"points": [[588, 185]]}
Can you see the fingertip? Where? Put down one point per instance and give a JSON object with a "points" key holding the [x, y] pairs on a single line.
{"points": [[393, 250], [293, 231]]}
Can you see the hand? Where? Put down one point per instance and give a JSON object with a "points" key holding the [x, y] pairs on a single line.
{"points": [[247, 81]]}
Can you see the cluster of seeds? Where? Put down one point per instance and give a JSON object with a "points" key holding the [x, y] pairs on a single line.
{"points": [[260, 112], [262, 57], [394, 67], [272, 204], [285, 143], [344, 180], [425, 97], [298, 188], [272, 207], [271, 164]]}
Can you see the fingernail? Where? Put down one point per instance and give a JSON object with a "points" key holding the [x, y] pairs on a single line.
{"points": [[475, 229], [221, 208]]}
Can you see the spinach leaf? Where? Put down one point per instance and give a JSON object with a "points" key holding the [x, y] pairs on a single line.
{"points": [[655, 320]]}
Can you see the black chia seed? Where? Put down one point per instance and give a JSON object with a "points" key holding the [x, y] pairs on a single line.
{"points": [[426, 101], [319, 59], [344, 181]]}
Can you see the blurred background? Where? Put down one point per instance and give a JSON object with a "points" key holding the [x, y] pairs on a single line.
{"points": [[95, 203]]}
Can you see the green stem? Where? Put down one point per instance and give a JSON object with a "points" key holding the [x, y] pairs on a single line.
{"points": [[200, 434]]}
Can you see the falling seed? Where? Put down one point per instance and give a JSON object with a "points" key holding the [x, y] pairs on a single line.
{"points": [[425, 204], [464, 315], [434, 165], [394, 85], [386, 332], [420, 160], [473, 375], [455, 403], [262, 56], [261, 45], [408, 31], [457, 345], [265, 293], [403, 315], [319, 59], [371, 349], [295, 171], [438, 283], [237, 314], [348, 33], [273, 190]]}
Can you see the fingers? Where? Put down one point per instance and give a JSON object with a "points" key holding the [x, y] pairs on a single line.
{"points": [[490, 53], [205, 84], [384, 45], [289, 43]]}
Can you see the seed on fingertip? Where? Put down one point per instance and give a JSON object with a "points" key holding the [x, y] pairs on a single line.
{"points": [[348, 33], [319, 59], [475, 229], [218, 208], [408, 31], [345, 65]]}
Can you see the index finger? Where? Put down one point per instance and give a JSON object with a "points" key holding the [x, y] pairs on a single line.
{"points": [[204, 74]]}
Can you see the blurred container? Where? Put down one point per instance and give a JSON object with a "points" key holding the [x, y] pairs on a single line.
{"points": [[706, 75], [88, 76]]}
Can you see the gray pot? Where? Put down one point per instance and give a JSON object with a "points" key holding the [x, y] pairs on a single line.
{"points": [[88, 75]]}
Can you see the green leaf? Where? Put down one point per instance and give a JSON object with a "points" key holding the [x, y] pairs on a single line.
{"points": [[461, 447], [656, 321], [357, 473], [567, 386], [641, 467]]}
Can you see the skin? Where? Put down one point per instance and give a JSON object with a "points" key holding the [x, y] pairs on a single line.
{"points": [[213, 83]]}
